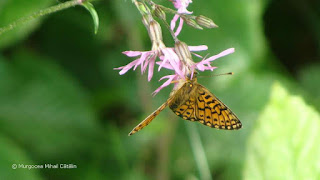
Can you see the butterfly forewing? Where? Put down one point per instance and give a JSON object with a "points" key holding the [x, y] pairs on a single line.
{"points": [[221, 116], [201, 105]]}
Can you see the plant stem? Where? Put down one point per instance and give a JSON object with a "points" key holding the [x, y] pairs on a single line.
{"points": [[40, 13], [151, 3], [198, 152]]}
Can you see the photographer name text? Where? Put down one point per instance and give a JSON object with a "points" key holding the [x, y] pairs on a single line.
{"points": [[44, 166]]}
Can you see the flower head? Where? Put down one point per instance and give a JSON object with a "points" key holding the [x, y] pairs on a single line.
{"points": [[203, 65], [181, 6], [148, 58], [178, 58], [167, 57]]}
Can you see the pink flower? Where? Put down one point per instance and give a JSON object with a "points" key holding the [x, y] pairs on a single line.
{"points": [[179, 58], [181, 6], [167, 83], [171, 58], [204, 64], [167, 65], [148, 59]]}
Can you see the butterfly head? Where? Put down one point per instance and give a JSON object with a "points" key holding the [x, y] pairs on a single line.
{"points": [[192, 78]]}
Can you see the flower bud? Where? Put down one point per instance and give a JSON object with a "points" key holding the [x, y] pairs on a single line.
{"points": [[155, 32], [183, 52], [158, 12], [146, 20], [205, 22], [192, 23], [143, 8]]}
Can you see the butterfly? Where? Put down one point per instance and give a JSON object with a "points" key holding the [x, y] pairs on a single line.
{"points": [[194, 102]]}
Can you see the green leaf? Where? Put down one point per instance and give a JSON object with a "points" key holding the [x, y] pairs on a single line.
{"points": [[285, 143], [43, 108], [93, 13], [12, 10]]}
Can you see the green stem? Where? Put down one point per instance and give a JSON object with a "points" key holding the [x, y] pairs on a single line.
{"points": [[198, 152], [151, 3], [40, 13]]}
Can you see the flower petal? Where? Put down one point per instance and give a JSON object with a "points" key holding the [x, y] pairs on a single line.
{"points": [[167, 83], [179, 27], [199, 56], [174, 21], [132, 53], [223, 53], [205, 64], [165, 65], [202, 67], [198, 48], [173, 59], [127, 67], [141, 60], [182, 5], [166, 77], [151, 67]]}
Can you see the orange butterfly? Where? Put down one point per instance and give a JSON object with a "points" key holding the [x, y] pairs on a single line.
{"points": [[194, 102]]}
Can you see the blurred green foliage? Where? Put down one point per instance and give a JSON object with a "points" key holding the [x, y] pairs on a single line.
{"points": [[285, 142], [62, 102], [11, 10]]}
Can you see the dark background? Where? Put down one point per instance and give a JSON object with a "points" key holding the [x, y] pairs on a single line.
{"points": [[62, 102]]}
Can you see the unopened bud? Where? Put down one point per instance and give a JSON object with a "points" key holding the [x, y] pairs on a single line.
{"points": [[146, 20], [205, 22], [183, 51], [143, 8], [155, 32], [192, 23], [158, 11]]}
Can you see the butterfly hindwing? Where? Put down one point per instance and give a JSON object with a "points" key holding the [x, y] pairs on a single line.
{"points": [[186, 110]]}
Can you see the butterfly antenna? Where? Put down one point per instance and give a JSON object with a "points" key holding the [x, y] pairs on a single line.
{"points": [[229, 73]]}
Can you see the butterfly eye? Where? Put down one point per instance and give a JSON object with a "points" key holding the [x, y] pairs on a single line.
{"points": [[190, 85]]}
